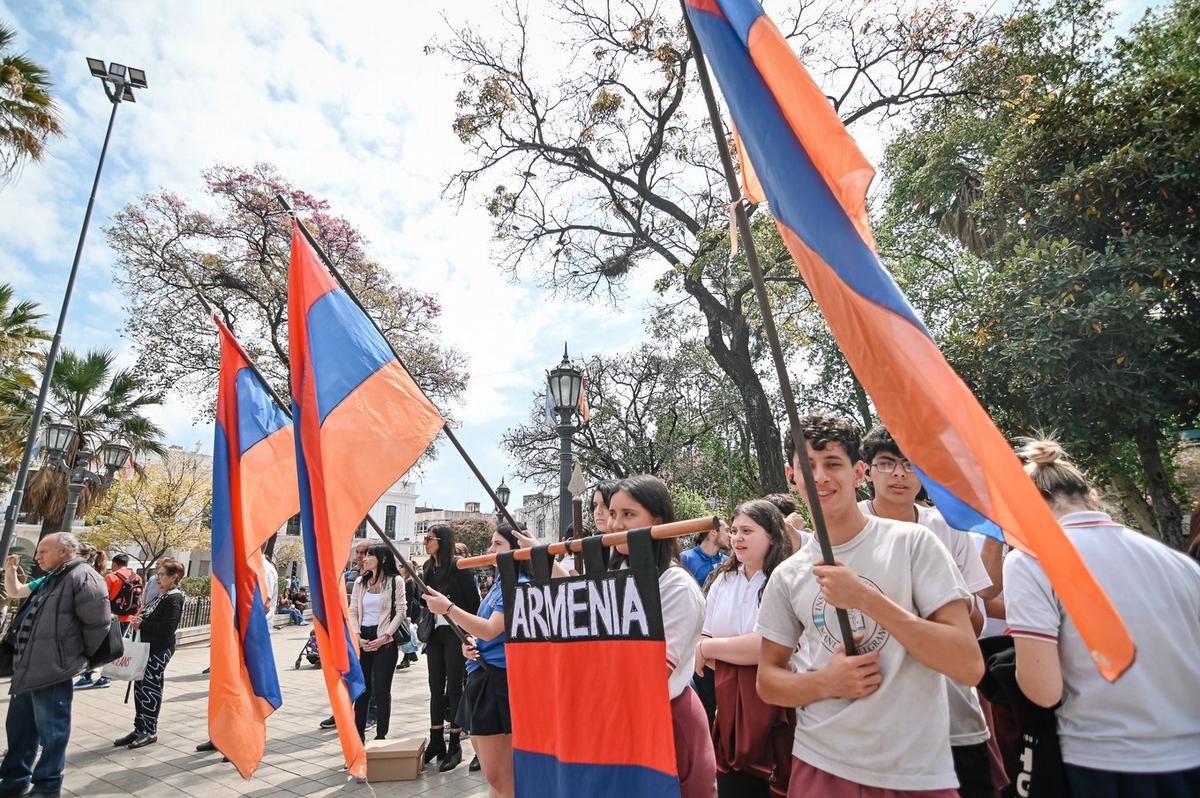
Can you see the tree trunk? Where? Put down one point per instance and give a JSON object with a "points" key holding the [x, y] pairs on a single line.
{"points": [[49, 526], [1133, 503], [1158, 484], [861, 402]]}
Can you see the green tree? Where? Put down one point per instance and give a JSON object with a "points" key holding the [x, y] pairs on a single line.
{"points": [[1074, 195], [28, 113], [19, 337], [476, 535], [103, 404]]}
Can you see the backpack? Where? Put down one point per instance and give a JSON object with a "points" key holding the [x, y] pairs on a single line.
{"points": [[129, 597]]}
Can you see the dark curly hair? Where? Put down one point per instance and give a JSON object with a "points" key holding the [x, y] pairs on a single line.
{"points": [[820, 431]]}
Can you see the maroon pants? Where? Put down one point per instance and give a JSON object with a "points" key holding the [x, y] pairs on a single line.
{"points": [[693, 747], [809, 782]]}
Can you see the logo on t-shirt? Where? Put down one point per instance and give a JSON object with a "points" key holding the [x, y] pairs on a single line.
{"points": [[825, 620]]}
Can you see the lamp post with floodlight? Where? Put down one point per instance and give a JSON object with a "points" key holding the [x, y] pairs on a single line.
{"points": [[119, 82]]}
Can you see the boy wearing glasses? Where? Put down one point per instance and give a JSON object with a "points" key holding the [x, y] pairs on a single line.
{"points": [[895, 487]]}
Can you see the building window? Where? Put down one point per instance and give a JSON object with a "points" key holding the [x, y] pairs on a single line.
{"points": [[361, 532], [389, 521], [293, 525]]}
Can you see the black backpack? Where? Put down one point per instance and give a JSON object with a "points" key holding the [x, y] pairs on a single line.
{"points": [[129, 597]]}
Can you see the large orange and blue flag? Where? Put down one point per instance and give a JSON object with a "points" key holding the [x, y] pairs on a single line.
{"points": [[361, 423], [815, 180], [254, 493]]}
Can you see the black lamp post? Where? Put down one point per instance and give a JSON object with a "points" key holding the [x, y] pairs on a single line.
{"points": [[119, 82], [566, 382], [59, 438], [502, 493]]}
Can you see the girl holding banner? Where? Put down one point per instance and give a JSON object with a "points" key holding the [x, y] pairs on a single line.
{"points": [[484, 709], [642, 501], [752, 739]]}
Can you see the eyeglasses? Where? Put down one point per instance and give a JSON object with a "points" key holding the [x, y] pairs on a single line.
{"points": [[889, 466]]}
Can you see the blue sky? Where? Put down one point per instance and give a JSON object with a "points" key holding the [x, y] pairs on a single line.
{"points": [[349, 107]]}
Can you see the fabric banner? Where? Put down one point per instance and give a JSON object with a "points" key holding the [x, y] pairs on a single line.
{"points": [[587, 682]]}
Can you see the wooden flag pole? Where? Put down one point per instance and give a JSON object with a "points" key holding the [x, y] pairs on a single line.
{"points": [[675, 529], [760, 291], [354, 298], [462, 636]]}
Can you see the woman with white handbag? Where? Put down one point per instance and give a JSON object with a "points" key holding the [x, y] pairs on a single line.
{"points": [[156, 625]]}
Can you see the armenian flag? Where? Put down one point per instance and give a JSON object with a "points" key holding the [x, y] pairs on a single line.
{"points": [[815, 180], [361, 423], [254, 493]]}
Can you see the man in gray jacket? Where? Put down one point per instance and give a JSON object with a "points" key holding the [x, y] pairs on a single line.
{"points": [[66, 621]]}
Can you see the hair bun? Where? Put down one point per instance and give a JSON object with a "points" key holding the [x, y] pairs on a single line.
{"points": [[1043, 452]]}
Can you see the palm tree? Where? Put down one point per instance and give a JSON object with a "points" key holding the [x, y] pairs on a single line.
{"points": [[28, 114], [103, 405], [19, 336]]}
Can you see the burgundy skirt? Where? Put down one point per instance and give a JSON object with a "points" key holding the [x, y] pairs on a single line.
{"points": [[810, 782], [693, 747], [749, 734]]}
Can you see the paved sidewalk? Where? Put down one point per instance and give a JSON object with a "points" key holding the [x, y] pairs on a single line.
{"points": [[301, 759]]}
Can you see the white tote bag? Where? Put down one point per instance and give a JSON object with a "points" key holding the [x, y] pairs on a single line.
{"points": [[131, 665]]}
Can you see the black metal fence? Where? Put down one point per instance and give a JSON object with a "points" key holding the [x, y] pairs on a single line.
{"points": [[197, 611]]}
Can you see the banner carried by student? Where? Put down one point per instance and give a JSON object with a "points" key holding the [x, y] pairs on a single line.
{"points": [[254, 494], [587, 666], [815, 181], [361, 423]]}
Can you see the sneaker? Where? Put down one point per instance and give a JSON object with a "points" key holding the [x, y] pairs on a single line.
{"points": [[84, 682], [329, 722], [103, 681]]}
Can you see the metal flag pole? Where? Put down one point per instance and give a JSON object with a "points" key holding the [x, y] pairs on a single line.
{"points": [[760, 291], [462, 636], [354, 298]]}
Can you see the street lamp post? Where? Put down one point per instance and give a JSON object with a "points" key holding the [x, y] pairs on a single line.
{"points": [[566, 383], [502, 493], [119, 82], [59, 438]]}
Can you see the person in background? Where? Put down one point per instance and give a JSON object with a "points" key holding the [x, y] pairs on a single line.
{"points": [[286, 608], [1139, 736], [66, 620], [707, 554], [156, 625], [795, 525], [121, 578], [377, 609], [641, 501], [151, 591], [484, 710], [752, 740], [447, 664], [413, 611], [350, 576]]}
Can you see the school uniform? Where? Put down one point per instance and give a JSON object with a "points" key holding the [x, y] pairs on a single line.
{"points": [[484, 708], [751, 739], [683, 619], [1140, 735], [896, 741]]}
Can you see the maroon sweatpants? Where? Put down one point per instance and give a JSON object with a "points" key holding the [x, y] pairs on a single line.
{"points": [[694, 757]]}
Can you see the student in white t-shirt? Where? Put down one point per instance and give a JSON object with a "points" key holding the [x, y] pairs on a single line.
{"points": [[747, 732], [895, 486], [1140, 735], [875, 723], [640, 501]]}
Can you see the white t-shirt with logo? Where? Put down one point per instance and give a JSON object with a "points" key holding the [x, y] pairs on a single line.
{"points": [[1148, 720], [897, 737], [968, 726]]}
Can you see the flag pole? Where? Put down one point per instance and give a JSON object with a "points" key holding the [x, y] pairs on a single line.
{"points": [[462, 636], [768, 320], [354, 298]]}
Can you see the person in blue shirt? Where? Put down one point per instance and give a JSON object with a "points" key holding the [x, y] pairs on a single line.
{"points": [[703, 558], [484, 709]]}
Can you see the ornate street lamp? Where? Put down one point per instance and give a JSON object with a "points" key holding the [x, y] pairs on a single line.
{"points": [[58, 440], [566, 382], [502, 493]]}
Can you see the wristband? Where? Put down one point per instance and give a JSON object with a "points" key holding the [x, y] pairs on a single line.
{"points": [[446, 614]]}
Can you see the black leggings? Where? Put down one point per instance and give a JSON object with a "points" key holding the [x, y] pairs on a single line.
{"points": [[148, 692], [378, 667], [447, 667]]}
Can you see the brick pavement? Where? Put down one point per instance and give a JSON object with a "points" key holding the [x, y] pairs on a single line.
{"points": [[301, 759]]}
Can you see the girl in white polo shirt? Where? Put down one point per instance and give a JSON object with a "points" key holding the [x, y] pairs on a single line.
{"points": [[1137, 737], [751, 738], [641, 501]]}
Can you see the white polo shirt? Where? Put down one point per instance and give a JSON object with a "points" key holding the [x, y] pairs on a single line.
{"points": [[1148, 720], [683, 618]]}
